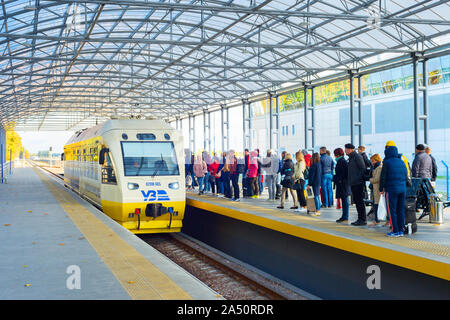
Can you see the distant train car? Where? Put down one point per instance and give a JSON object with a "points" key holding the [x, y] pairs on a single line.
{"points": [[133, 170]]}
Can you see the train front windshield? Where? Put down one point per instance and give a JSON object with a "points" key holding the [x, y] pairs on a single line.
{"points": [[149, 158]]}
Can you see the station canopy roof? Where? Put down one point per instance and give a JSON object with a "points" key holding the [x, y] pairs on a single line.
{"points": [[65, 65]]}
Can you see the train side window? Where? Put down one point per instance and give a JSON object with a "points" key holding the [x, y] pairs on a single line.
{"points": [[108, 174]]}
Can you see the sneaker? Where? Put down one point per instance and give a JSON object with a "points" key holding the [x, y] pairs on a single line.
{"points": [[341, 220], [373, 224], [301, 210], [294, 208], [400, 234], [280, 207], [391, 235], [359, 223], [237, 200], [316, 214]]}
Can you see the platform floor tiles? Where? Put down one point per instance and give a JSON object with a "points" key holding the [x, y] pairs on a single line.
{"points": [[431, 242], [48, 235]]}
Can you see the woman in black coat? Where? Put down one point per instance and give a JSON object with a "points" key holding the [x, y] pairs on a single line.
{"points": [[340, 180], [315, 179], [287, 171]]}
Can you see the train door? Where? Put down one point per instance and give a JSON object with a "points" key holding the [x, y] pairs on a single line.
{"points": [[111, 197]]}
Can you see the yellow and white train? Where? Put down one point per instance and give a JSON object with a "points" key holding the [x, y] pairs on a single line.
{"points": [[133, 170]]}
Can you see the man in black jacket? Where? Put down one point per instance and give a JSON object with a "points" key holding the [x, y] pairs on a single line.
{"points": [[433, 164], [356, 169]]}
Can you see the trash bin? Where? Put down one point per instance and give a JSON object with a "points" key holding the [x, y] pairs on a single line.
{"points": [[436, 210]]}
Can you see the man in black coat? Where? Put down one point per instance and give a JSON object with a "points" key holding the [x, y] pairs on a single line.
{"points": [[433, 164], [356, 169]]}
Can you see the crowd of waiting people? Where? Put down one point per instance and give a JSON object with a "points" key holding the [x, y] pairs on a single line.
{"points": [[319, 174]]}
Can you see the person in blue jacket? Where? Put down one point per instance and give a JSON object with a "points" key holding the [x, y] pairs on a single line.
{"points": [[315, 179], [393, 181]]}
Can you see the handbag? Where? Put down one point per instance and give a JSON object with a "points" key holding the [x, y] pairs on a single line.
{"points": [[297, 185], [382, 208]]}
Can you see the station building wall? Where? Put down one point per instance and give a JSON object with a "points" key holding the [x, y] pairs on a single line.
{"points": [[384, 117]]}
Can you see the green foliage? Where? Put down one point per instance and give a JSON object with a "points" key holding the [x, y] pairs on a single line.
{"points": [[14, 146]]}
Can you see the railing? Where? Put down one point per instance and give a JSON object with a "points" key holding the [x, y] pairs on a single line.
{"points": [[6, 169], [447, 179]]}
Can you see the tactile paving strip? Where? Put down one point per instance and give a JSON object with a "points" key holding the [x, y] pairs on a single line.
{"points": [[333, 234], [140, 278]]}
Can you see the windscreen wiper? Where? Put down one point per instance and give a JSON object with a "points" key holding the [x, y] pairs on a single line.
{"points": [[159, 165], [140, 167]]}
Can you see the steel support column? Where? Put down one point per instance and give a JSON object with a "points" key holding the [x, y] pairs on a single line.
{"points": [[306, 118], [417, 90], [309, 128], [225, 131], [207, 130], [246, 122], [277, 123], [359, 104], [358, 100], [192, 133], [416, 101], [424, 89], [270, 120]]}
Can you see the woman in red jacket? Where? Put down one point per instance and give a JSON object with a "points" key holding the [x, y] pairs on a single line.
{"points": [[212, 168], [252, 173]]}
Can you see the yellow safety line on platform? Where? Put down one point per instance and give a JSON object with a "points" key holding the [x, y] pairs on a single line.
{"points": [[140, 278], [402, 259]]}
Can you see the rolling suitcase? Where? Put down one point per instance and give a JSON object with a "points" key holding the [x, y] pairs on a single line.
{"points": [[310, 203], [246, 189], [410, 215]]}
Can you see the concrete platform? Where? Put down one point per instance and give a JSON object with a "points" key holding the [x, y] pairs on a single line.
{"points": [[49, 236], [424, 256]]}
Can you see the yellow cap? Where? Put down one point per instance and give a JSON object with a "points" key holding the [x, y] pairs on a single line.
{"points": [[390, 143]]}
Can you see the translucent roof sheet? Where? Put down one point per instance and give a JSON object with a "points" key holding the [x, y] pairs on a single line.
{"points": [[69, 64]]}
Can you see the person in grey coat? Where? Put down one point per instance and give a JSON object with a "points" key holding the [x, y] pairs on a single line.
{"points": [[422, 166]]}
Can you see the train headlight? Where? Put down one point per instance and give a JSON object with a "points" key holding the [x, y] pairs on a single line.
{"points": [[174, 185], [133, 186]]}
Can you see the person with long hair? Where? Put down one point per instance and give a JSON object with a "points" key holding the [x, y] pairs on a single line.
{"points": [[199, 170], [314, 179], [288, 181], [299, 180], [375, 181], [340, 180]]}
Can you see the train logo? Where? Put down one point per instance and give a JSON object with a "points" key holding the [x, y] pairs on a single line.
{"points": [[155, 195]]}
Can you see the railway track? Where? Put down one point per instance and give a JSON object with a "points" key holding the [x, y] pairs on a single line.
{"points": [[229, 278]]}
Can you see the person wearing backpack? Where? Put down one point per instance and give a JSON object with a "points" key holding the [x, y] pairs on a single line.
{"points": [[287, 171], [314, 179]]}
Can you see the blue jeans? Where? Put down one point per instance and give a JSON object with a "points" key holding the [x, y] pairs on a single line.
{"points": [[344, 204], [327, 189], [396, 210], [207, 184], [226, 179], [200, 184], [317, 202]]}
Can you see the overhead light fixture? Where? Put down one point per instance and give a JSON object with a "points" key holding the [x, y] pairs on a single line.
{"points": [[30, 7]]}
